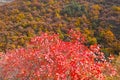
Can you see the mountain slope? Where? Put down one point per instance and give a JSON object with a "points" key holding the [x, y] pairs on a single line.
{"points": [[98, 20]]}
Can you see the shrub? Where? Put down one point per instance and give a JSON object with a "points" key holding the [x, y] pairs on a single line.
{"points": [[49, 58], [74, 9], [116, 8]]}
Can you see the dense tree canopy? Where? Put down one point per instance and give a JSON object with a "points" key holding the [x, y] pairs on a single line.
{"points": [[22, 19], [67, 54]]}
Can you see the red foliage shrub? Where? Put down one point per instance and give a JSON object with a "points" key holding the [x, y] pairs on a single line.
{"points": [[50, 58]]}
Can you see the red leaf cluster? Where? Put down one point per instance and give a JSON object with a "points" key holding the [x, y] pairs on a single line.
{"points": [[50, 58]]}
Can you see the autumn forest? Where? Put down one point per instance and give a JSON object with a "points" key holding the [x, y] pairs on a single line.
{"points": [[60, 40]]}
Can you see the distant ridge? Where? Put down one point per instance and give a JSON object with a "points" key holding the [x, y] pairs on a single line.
{"points": [[4, 1]]}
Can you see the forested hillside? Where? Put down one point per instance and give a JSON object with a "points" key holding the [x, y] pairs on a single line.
{"points": [[60, 40], [98, 20]]}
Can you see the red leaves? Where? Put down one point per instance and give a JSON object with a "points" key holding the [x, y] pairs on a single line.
{"points": [[52, 58], [95, 48]]}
